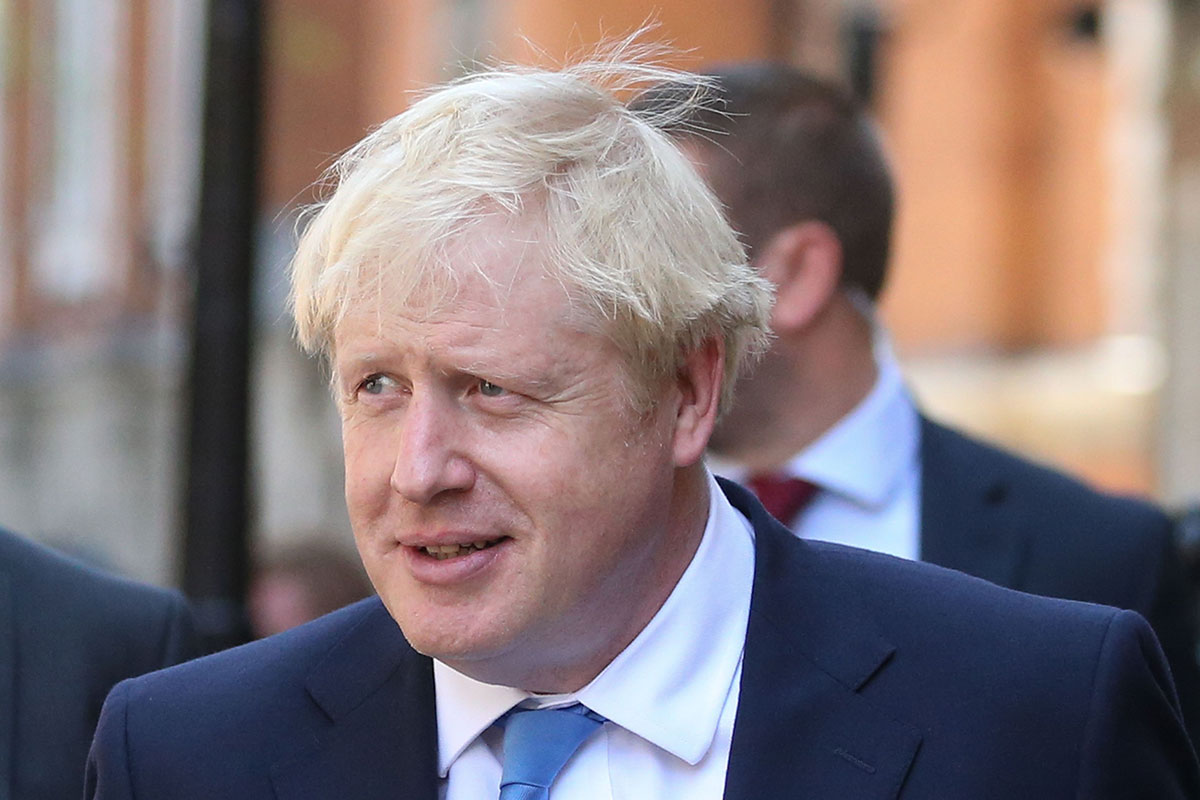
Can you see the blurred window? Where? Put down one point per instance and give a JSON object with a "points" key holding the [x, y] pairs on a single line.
{"points": [[79, 247]]}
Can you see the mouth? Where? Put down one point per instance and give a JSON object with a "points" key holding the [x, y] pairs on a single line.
{"points": [[443, 552]]}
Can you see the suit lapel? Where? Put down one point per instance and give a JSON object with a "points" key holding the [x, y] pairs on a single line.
{"points": [[966, 520], [382, 744], [802, 729], [8, 686]]}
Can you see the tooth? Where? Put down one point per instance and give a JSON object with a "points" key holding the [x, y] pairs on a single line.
{"points": [[444, 551]]}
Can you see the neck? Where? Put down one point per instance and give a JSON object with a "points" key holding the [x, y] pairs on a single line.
{"points": [[809, 381]]}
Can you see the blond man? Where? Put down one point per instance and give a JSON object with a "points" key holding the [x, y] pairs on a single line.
{"points": [[534, 313]]}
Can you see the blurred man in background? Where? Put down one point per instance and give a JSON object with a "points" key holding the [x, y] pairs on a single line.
{"points": [[301, 581], [825, 430], [68, 633]]}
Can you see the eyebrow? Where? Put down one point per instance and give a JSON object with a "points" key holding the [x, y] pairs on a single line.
{"points": [[544, 382], [363, 358], [339, 366]]}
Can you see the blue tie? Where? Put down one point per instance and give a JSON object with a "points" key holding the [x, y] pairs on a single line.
{"points": [[538, 743]]}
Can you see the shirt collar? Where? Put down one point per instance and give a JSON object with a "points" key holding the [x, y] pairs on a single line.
{"points": [[465, 709], [699, 632], [882, 432]]}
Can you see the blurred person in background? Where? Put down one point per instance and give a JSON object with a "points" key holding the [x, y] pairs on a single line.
{"points": [[299, 582], [534, 313], [825, 429], [68, 633]]}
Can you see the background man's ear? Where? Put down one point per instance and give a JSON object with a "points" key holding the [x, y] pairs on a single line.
{"points": [[700, 381], [804, 261]]}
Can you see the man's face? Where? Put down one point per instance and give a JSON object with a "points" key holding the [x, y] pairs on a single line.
{"points": [[509, 507]]}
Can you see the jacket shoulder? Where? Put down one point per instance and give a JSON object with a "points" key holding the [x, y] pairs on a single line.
{"points": [[220, 721], [121, 627], [283, 658], [61, 582], [950, 457], [232, 692], [954, 598]]}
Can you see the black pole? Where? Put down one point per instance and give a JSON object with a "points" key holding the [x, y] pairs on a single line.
{"points": [[863, 33], [217, 507]]}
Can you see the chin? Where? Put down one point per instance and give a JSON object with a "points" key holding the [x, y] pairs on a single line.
{"points": [[449, 642]]}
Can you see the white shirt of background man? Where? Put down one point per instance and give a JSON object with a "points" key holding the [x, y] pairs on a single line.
{"points": [[868, 468]]}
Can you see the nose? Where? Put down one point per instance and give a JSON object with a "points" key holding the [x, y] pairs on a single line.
{"points": [[430, 459]]}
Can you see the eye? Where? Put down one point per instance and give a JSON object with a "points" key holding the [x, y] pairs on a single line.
{"points": [[489, 389], [374, 384]]}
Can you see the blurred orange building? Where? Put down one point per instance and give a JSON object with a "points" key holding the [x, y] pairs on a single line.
{"points": [[1026, 134]]}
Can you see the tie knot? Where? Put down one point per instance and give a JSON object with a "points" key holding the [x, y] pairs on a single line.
{"points": [[537, 743], [783, 496]]}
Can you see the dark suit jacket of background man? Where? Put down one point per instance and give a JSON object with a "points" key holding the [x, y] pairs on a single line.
{"points": [[864, 677], [990, 514], [67, 635]]}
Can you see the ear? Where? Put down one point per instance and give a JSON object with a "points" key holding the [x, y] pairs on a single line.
{"points": [[699, 383], [804, 261]]}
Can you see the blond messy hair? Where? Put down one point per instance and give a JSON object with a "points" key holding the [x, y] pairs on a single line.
{"points": [[628, 226]]}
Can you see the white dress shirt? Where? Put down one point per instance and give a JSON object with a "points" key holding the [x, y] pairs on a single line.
{"points": [[868, 470], [670, 697]]}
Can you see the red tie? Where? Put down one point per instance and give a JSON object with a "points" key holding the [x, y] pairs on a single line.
{"points": [[782, 496]]}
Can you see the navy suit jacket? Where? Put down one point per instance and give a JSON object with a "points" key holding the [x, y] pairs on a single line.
{"points": [[991, 514], [864, 677], [67, 635]]}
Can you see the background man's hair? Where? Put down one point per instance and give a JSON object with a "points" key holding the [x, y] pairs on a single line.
{"points": [[620, 216], [784, 146]]}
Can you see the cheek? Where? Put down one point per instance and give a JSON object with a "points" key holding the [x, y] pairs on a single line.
{"points": [[368, 468], [598, 478]]}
